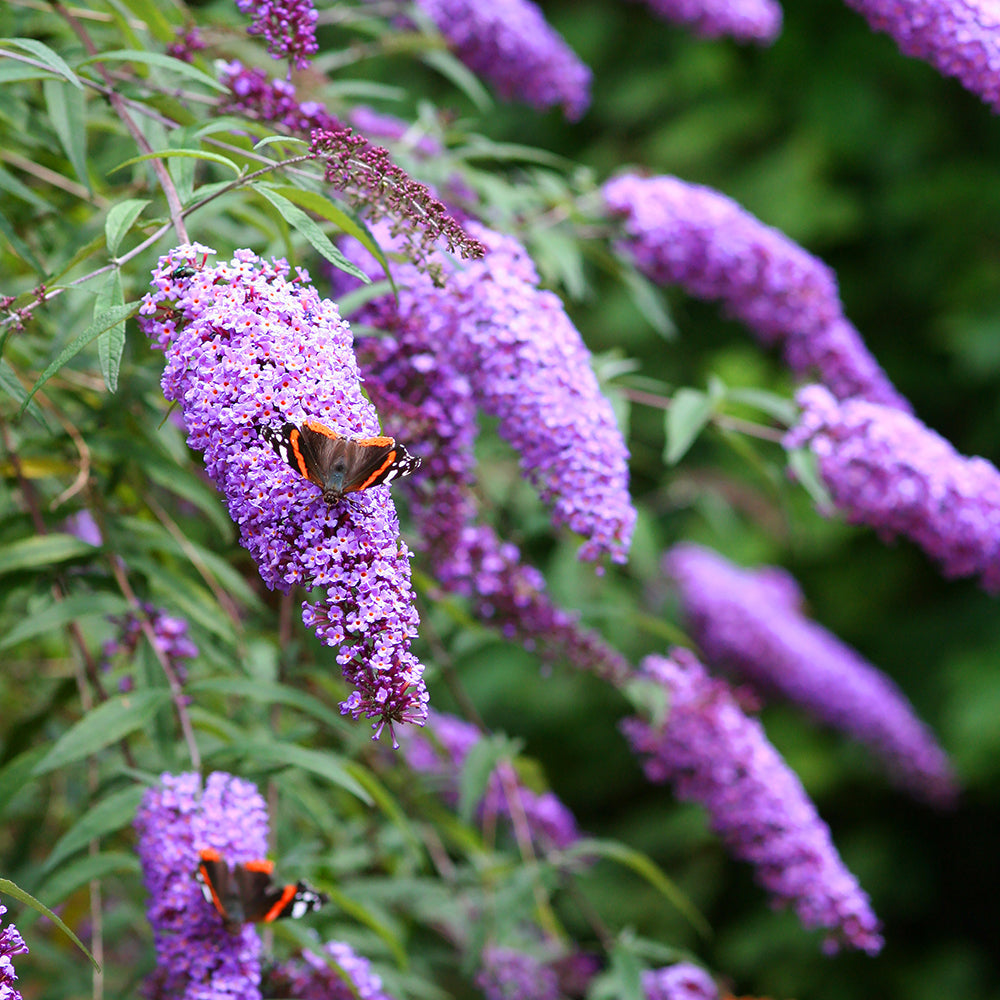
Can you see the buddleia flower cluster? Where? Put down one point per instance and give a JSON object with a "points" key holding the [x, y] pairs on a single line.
{"points": [[11, 945], [750, 623], [745, 20], [170, 634], [885, 469], [713, 754], [682, 981], [441, 751], [689, 235], [248, 347], [197, 958], [312, 977], [288, 27]]}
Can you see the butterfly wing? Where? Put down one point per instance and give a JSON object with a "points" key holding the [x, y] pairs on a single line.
{"points": [[217, 887], [263, 900], [376, 460]]}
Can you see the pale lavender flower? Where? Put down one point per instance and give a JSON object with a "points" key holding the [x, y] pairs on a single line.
{"points": [[682, 981], [268, 99], [959, 38], [714, 755], [312, 978], [247, 348], [526, 364], [509, 974], [288, 27], [744, 20], [196, 957], [83, 526], [510, 44], [886, 469], [686, 234], [441, 751], [11, 945], [751, 623], [378, 125]]}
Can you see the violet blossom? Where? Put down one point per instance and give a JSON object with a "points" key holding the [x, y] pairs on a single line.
{"points": [[715, 755], [509, 974], [682, 981], [248, 348], [751, 623], [744, 20], [510, 44], [441, 751], [426, 401], [11, 945], [692, 236], [526, 364], [959, 38], [311, 977], [196, 957], [186, 43], [886, 469], [378, 125], [288, 27], [169, 633]]}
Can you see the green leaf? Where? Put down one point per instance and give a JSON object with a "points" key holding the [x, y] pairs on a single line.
{"points": [[156, 59], [325, 764], [8, 888], [16, 774], [150, 12], [268, 694], [78, 873], [774, 405], [67, 109], [44, 54], [456, 72], [11, 384], [309, 228], [102, 323], [690, 410], [194, 154], [60, 613], [649, 301], [804, 468], [111, 343], [120, 219], [479, 765], [41, 550], [102, 726], [19, 246], [110, 814], [646, 868]]}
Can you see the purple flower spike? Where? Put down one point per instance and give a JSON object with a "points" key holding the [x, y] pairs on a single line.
{"points": [[716, 756], [886, 469], [246, 348], [508, 974], [744, 20], [510, 44], [196, 957], [692, 236], [312, 978], [525, 363], [288, 27], [959, 38], [751, 622], [551, 824], [682, 981], [11, 945], [170, 635]]}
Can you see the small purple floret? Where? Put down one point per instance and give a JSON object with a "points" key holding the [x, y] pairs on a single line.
{"points": [[508, 974], [288, 27], [745, 20], [682, 981]]}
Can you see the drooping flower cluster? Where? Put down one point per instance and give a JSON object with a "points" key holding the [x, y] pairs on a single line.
{"points": [[686, 234], [744, 20], [11, 945], [510, 44], [682, 981], [196, 957], [959, 38], [311, 977], [715, 755], [364, 173], [509, 974], [526, 364], [888, 470], [170, 636], [246, 348], [426, 401], [751, 623], [186, 44], [288, 27], [442, 750]]}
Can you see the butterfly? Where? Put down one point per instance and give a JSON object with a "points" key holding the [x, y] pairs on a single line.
{"points": [[248, 894], [336, 464]]}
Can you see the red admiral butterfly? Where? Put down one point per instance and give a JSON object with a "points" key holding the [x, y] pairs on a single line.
{"points": [[338, 464], [248, 894]]}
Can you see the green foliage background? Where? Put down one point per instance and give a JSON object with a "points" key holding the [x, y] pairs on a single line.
{"points": [[871, 161]]}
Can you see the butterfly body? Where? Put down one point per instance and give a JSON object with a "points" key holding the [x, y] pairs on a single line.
{"points": [[247, 893], [336, 464]]}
